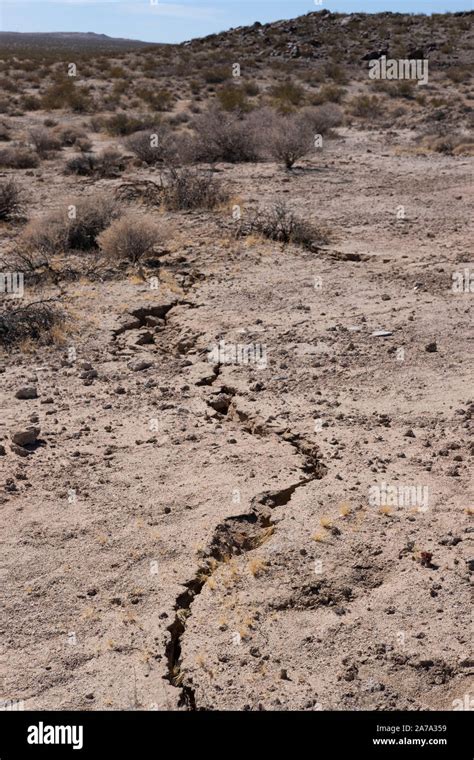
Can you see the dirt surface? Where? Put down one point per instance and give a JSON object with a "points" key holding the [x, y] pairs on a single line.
{"points": [[200, 535]]}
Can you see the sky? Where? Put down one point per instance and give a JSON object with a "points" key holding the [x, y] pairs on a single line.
{"points": [[163, 21]]}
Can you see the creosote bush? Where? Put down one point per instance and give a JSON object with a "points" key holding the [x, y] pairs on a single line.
{"points": [[34, 321], [44, 142], [130, 238], [153, 146], [107, 164], [290, 138], [11, 200], [18, 157], [186, 189], [279, 223], [223, 136], [64, 93]]}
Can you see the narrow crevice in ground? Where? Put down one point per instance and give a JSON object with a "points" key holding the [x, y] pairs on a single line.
{"points": [[236, 535]]}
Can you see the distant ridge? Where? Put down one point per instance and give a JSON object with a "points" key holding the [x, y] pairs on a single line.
{"points": [[44, 42]]}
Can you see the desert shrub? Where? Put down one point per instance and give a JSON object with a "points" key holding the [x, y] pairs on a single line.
{"points": [[158, 100], [57, 232], [8, 84], [18, 157], [11, 200], [336, 72], [279, 223], [324, 118], [216, 75], [31, 322], [44, 142], [63, 94], [84, 144], [69, 135], [31, 103], [405, 89], [233, 98], [121, 124], [4, 132], [221, 136], [459, 74], [251, 88], [365, 106], [287, 95], [153, 146], [130, 238], [189, 189], [290, 138], [329, 93], [107, 164]]}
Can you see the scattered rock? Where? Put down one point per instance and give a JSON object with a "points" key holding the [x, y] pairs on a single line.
{"points": [[26, 437], [27, 392]]}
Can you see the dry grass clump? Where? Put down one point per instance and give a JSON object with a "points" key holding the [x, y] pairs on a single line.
{"points": [[130, 238], [11, 200], [31, 322], [76, 226], [186, 189], [450, 144], [18, 157], [279, 223]]}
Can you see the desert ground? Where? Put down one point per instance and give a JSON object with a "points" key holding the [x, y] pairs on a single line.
{"points": [[184, 530]]}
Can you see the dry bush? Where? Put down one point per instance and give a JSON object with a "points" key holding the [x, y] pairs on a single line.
{"points": [[44, 142], [324, 118], [158, 100], [107, 164], [31, 322], [4, 132], [31, 103], [11, 200], [365, 106], [69, 135], [216, 75], [187, 188], [279, 223], [130, 238], [459, 74], [290, 138], [287, 95], [18, 157], [233, 98], [58, 233], [121, 124], [329, 93], [153, 146], [63, 93], [221, 136], [449, 144]]}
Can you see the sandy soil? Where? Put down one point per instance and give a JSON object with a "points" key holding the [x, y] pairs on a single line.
{"points": [[196, 535]]}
